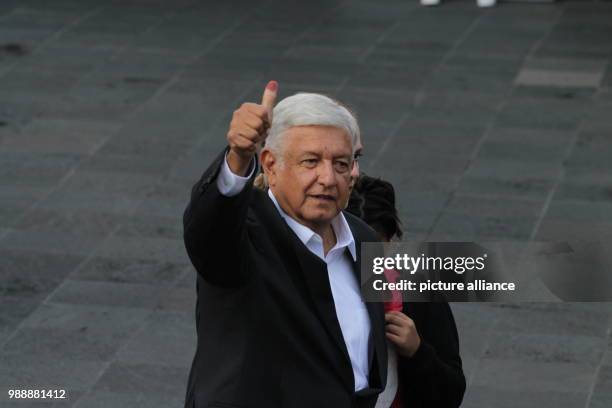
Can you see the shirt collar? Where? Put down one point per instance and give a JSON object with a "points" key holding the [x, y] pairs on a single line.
{"points": [[344, 236]]}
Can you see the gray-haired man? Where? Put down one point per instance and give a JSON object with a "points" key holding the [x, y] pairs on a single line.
{"points": [[280, 318]]}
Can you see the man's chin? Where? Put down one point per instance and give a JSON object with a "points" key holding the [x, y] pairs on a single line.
{"points": [[322, 217]]}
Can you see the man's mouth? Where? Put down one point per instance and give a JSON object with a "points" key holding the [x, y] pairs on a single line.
{"points": [[325, 197]]}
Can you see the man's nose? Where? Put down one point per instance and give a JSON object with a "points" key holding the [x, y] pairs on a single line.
{"points": [[355, 170], [326, 174]]}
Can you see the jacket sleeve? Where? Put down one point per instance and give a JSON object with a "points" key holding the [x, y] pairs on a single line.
{"points": [[434, 375], [214, 229]]}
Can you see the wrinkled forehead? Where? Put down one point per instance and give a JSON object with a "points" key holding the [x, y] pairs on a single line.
{"points": [[320, 139]]}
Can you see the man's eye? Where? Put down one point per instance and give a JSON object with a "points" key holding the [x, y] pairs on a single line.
{"points": [[357, 156], [309, 162], [342, 166]]}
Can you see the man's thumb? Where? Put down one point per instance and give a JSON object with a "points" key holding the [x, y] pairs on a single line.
{"points": [[269, 96]]}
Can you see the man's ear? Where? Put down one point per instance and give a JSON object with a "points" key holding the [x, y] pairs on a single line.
{"points": [[269, 165]]}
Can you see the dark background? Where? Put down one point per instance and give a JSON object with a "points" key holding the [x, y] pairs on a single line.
{"points": [[492, 124]]}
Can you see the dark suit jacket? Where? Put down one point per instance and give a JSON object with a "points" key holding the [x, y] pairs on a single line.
{"points": [[268, 335], [433, 377]]}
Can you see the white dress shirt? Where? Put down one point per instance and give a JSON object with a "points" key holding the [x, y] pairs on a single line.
{"points": [[350, 309]]}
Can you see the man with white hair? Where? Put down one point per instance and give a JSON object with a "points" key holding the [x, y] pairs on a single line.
{"points": [[280, 317]]}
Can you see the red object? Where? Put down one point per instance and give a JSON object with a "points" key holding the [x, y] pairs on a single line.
{"points": [[272, 86], [395, 304]]}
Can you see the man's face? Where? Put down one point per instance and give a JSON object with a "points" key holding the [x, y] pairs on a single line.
{"points": [[312, 182]]}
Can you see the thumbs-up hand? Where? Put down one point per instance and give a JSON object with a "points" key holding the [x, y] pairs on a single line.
{"points": [[248, 129]]}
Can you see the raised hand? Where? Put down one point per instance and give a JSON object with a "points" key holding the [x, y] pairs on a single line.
{"points": [[249, 128]]}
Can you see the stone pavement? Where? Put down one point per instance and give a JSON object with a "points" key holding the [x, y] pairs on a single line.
{"points": [[492, 124]]}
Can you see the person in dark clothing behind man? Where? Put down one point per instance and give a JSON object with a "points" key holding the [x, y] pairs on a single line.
{"points": [[433, 376]]}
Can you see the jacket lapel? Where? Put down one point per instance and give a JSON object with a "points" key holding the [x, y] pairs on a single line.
{"points": [[376, 312], [315, 274]]}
